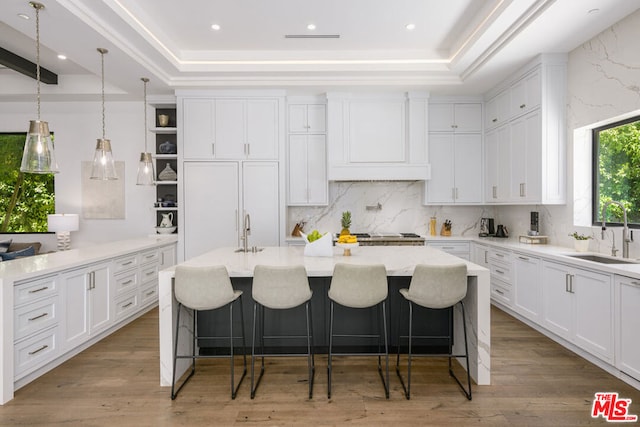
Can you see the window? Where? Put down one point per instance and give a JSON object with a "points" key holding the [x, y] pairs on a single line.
{"points": [[616, 166], [25, 199]]}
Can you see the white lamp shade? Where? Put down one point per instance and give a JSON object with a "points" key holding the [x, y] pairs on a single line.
{"points": [[63, 222]]}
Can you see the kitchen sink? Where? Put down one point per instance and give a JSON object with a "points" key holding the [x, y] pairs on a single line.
{"points": [[604, 259]]}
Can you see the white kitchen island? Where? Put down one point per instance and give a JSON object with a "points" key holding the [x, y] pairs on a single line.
{"points": [[399, 261]]}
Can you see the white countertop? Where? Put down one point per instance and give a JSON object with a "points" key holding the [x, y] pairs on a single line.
{"points": [[556, 253], [398, 260], [25, 268]]}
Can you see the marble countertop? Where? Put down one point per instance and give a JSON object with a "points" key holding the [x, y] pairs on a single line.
{"points": [[398, 260], [25, 268]]}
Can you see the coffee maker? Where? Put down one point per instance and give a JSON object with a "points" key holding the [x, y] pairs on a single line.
{"points": [[486, 227]]}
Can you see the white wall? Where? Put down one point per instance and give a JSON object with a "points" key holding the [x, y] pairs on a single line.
{"points": [[76, 126], [604, 86]]}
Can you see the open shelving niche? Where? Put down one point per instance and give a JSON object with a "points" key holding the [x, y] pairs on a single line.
{"points": [[164, 189]]}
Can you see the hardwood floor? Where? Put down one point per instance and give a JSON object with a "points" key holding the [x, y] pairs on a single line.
{"points": [[535, 382]]}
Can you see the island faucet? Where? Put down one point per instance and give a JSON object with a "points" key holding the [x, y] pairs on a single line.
{"points": [[627, 236], [246, 231]]}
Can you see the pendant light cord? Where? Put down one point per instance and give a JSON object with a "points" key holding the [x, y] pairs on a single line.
{"points": [[38, 56], [145, 80], [103, 115]]}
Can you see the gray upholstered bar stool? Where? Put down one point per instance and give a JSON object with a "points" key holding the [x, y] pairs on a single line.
{"points": [[200, 289], [436, 287], [280, 288], [360, 286]]}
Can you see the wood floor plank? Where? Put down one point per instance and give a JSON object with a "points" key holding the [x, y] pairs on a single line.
{"points": [[535, 382]]}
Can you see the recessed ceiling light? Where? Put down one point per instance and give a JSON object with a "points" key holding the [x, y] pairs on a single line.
{"points": [[215, 27], [410, 27], [62, 57], [311, 27], [23, 16]]}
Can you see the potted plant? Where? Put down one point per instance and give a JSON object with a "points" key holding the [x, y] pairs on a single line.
{"points": [[581, 242]]}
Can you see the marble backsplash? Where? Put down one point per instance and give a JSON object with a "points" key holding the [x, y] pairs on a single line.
{"points": [[401, 210]]}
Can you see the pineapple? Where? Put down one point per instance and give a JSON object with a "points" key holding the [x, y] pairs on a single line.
{"points": [[346, 223]]}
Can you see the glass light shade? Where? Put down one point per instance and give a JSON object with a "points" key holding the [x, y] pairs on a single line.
{"points": [[38, 155], [103, 167], [146, 173]]}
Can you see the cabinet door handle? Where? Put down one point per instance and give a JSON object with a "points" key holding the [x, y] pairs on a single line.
{"points": [[633, 282], [485, 257], [453, 193], [31, 353], [33, 291], [31, 319], [571, 283], [522, 189], [162, 258], [213, 149], [236, 219], [566, 282], [248, 150], [523, 105], [494, 189]]}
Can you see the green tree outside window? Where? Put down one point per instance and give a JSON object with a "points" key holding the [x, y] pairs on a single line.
{"points": [[618, 170], [25, 199]]}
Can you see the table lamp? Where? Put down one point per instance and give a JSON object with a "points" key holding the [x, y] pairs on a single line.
{"points": [[62, 225]]}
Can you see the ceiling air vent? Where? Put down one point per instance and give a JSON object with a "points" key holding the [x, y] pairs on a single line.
{"points": [[312, 36]]}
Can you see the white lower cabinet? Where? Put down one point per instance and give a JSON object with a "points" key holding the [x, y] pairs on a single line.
{"points": [[87, 302], [459, 249], [628, 325], [578, 306], [36, 321], [528, 289]]}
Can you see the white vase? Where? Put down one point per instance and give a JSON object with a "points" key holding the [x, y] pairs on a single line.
{"points": [[581, 245]]}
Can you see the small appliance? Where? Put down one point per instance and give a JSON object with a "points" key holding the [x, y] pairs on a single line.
{"points": [[535, 225]]}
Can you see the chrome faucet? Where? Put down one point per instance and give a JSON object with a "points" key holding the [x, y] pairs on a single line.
{"points": [[246, 231], [627, 236]]}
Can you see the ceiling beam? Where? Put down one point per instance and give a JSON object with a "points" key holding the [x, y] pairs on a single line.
{"points": [[26, 67]]}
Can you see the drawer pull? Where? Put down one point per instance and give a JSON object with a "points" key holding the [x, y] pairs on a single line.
{"points": [[633, 282], [150, 293], [127, 282], [150, 273], [127, 263], [524, 258], [129, 304], [523, 105], [498, 291], [44, 347], [150, 256], [31, 319], [33, 291], [499, 271], [494, 120], [499, 255]]}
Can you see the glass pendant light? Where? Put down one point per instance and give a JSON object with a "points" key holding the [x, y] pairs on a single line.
{"points": [[104, 167], [38, 156], [146, 173]]}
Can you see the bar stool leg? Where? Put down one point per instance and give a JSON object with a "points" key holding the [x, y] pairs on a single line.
{"points": [[310, 358], [467, 392], [329, 359], [406, 387], [386, 348]]}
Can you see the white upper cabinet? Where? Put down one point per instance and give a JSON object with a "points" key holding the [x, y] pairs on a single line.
{"points": [[536, 133], [497, 110], [526, 94], [307, 118], [458, 117], [307, 170], [376, 136], [230, 128]]}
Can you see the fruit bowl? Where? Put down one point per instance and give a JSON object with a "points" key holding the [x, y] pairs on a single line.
{"points": [[347, 247], [166, 230]]}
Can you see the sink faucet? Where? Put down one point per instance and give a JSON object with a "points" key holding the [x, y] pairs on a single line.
{"points": [[626, 234], [246, 231]]}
